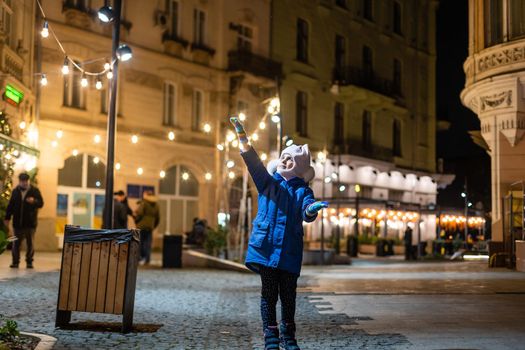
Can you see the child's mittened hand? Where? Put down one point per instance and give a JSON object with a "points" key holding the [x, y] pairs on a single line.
{"points": [[313, 208], [237, 124]]}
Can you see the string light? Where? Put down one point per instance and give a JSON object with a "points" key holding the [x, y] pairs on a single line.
{"points": [[54, 143], [207, 176], [235, 143], [96, 160], [65, 67], [83, 81], [96, 139], [162, 174], [59, 134], [98, 84], [262, 125], [242, 116], [207, 128], [109, 74], [276, 119], [255, 137], [185, 176], [220, 147], [171, 136], [230, 136], [45, 30], [75, 152], [230, 164], [134, 139], [140, 171], [22, 125], [43, 80], [264, 156], [117, 166], [107, 66], [231, 175]]}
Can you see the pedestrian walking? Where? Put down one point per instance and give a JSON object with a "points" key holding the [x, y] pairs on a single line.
{"points": [[147, 219], [23, 209], [409, 251], [275, 248], [122, 198], [120, 215]]}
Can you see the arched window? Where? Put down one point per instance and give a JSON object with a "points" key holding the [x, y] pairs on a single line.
{"points": [[179, 193], [80, 197]]}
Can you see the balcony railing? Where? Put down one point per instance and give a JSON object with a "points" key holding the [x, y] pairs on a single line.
{"points": [[366, 79], [257, 65], [357, 147]]}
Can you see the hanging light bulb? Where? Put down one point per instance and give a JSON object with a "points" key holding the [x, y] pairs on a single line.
{"points": [[109, 74], [262, 125], [134, 139], [98, 84], [230, 136], [171, 136], [230, 164], [162, 174], [65, 67], [117, 166], [206, 128], [43, 80], [185, 176], [83, 81], [264, 156], [140, 171], [275, 118], [45, 30], [22, 125], [255, 137], [231, 175], [59, 134], [75, 152], [207, 176], [96, 160], [220, 147], [235, 143], [96, 139], [242, 116], [106, 66]]}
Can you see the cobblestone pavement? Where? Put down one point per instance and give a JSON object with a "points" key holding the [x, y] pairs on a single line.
{"points": [[364, 306]]}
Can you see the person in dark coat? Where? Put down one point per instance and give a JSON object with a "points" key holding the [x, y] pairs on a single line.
{"points": [[275, 247], [23, 209], [408, 244], [120, 213]]}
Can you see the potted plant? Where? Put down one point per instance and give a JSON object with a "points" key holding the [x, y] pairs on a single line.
{"points": [[367, 244]]}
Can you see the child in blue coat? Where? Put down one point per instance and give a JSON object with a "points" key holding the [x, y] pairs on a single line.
{"points": [[275, 249]]}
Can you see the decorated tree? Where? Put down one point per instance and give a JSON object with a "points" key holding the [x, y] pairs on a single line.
{"points": [[6, 177]]}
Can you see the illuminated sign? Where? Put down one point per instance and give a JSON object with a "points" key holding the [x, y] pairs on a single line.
{"points": [[13, 95]]}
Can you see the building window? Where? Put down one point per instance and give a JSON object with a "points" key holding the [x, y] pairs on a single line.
{"points": [[398, 18], [178, 200], [169, 114], [302, 40], [6, 24], [368, 9], [341, 3], [367, 130], [199, 27], [172, 8], [395, 195], [368, 66], [397, 76], [244, 38], [517, 18], [83, 170], [74, 94], [196, 110], [301, 113], [396, 138], [493, 26], [339, 126], [340, 53]]}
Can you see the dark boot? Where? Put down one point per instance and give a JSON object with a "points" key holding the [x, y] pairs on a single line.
{"points": [[288, 340], [271, 338]]}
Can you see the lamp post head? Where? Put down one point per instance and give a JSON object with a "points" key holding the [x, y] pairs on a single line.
{"points": [[124, 53], [105, 14]]}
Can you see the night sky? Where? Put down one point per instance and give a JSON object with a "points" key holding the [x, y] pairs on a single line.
{"points": [[461, 156]]}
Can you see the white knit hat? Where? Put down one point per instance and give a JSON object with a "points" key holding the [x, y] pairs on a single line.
{"points": [[301, 167]]}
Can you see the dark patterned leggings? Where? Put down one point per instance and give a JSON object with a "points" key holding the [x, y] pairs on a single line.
{"points": [[277, 283]]}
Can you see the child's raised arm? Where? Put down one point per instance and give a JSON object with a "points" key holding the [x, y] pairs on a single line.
{"points": [[256, 168]]}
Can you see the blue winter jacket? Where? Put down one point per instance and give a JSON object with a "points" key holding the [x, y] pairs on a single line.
{"points": [[277, 237]]}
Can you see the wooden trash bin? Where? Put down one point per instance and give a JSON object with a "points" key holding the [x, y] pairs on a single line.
{"points": [[98, 273]]}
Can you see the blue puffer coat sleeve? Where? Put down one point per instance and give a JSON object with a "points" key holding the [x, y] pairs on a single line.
{"points": [[257, 170]]}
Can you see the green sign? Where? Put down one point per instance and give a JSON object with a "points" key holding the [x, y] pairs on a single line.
{"points": [[14, 95]]}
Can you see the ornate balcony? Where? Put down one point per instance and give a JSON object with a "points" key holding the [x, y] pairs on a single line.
{"points": [[257, 65]]}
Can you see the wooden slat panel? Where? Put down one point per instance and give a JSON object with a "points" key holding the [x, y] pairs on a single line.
{"points": [[93, 277], [75, 276], [102, 276], [112, 278], [131, 282], [65, 274], [121, 278], [84, 276]]}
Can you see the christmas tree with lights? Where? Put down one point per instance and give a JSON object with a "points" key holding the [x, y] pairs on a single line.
{"points": [[7, 163]]}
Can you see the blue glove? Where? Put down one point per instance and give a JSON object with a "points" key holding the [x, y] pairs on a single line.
{"points": [[313, 208]]}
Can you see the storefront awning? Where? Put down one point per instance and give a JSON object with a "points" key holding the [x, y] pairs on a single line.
{"points": [[9, 142]]}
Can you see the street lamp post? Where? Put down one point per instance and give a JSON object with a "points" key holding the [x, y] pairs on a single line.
{"points": [[112, 125]]}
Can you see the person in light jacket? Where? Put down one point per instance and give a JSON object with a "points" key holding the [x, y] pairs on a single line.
{"points": [[275, 248]]}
